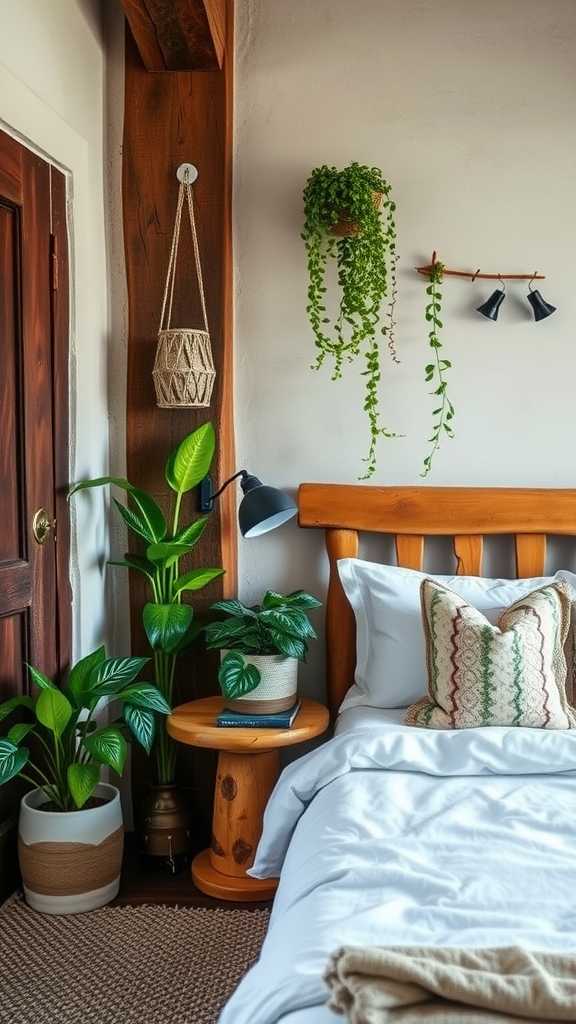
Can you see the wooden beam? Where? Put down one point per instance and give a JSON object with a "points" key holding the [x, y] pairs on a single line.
{"points": [[178, 35], [171, 119]]}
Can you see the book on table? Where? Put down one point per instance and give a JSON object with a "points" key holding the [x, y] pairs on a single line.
{"points": [[278, 720]]}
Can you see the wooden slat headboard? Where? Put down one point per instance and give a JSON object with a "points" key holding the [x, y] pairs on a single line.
{"points": [[411, 513]]}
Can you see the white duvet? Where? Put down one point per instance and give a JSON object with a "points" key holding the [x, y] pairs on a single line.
{"points": [[394, 835]]}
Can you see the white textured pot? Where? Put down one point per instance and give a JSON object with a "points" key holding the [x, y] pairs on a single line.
{"points": [[70, 860], [277, 689]]}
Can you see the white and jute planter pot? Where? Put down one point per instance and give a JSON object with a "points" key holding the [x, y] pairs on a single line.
{"points": [[277, 689], [70, 861]]}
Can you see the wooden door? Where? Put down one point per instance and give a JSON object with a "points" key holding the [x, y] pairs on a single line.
{"points": [[33, 344]]}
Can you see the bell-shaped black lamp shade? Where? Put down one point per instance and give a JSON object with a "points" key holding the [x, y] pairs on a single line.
{"points": [[541, 308], [263, 508], [490, 308]]}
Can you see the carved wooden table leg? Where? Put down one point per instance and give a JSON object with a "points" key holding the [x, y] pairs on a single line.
{"points": [[244, 782]]}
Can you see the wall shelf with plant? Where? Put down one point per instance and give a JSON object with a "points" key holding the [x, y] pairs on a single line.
{"points": [[350, 221]]}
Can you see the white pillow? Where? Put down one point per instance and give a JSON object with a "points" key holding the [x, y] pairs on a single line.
{"points": [[390, 651]]}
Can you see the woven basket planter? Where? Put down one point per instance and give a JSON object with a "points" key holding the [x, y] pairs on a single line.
{"points": [[183, 371], [277, 689], [70, 860], [344, 227]]}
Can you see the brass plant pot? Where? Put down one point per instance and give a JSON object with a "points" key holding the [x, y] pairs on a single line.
{"points": [[166, 821]]}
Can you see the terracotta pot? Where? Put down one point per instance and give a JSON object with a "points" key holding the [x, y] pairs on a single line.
{"points": [[277, 689], [70, 860], [166, 821], [344, 227]]}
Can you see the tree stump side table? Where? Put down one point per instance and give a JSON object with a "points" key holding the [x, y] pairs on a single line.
{"points": [[248, 766]]}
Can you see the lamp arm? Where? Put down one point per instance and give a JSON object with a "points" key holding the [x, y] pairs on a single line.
{"points": [[241, 472], [208, 496]]}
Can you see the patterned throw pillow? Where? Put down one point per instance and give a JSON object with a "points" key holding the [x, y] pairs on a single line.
{"points": [[513, 673]]}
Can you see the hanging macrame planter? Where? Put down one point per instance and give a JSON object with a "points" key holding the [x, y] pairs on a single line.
{"points": [[183, 371]]}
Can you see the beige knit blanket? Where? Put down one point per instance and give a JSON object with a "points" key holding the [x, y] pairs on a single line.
{"points": [[409, 985]]}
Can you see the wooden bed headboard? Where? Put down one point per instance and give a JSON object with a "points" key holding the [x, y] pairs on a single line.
{"points": [[410, 513]]}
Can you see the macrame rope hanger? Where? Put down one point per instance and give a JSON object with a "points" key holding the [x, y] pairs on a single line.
{"points": [[184, 371]]}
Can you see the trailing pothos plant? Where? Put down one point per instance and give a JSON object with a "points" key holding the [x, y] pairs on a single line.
{"points": [[279, 625], [72, 747], [435, 372], [365, 259], [169, 624]]}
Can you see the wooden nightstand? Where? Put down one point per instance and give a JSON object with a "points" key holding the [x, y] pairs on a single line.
{"points": [[248, 766]]}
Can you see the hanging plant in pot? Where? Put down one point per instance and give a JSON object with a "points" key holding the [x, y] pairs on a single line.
{"points": [[70, 836], [261, 646], [169, 624], [349, 219]]}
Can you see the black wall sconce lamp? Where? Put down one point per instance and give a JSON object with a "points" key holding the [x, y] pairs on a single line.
{"points": [[262, 508]]}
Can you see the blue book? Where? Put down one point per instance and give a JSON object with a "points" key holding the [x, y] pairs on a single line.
{"points": [[279, 720]]}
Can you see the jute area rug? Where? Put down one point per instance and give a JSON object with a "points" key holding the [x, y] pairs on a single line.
{"points": [[123, 965]]}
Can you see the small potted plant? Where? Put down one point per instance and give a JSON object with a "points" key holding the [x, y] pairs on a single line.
{"points": [[260, 649], [70, 834]]}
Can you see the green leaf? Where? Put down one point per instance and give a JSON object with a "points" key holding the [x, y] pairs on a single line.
{"points": [[220, 634], [100, 481], [292, 622], [191, 461], [133, 521], [234, 608], [53, 711], [191, 534], [146, 695], [142, 725], [137, 562], [150, 513], [82, 781], [167, 553], [237, 677], [195, 580], [289, 646], [19, 732], [166, 624], [114, 674], [15, 702], [108, 746], [12, 760], [79, 679], [300, 600], [188, 639], [40, 679]]}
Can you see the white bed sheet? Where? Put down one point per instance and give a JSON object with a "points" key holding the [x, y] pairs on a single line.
{"points": [[361, 717], [391, 834]]}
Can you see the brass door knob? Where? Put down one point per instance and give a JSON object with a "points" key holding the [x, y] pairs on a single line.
{"points": [[42, 525]]}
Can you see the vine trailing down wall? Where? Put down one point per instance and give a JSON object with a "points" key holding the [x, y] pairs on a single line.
{"points": [[435, 371], [350, 219]]}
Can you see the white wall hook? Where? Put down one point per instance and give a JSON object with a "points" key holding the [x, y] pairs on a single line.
{"points": [[192, 173]]}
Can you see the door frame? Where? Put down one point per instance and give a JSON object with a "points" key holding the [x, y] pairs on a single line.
{"points": [[37, 126], [60, 315]]}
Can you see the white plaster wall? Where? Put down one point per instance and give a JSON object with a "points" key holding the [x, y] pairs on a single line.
{"points": [[469, 110], [55, 97]]}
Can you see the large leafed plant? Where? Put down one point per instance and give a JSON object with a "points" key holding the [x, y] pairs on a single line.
{"points": [[61, 725], [168, 622]]}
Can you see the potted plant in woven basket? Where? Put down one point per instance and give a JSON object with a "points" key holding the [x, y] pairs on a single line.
{"points": [[260, 649], [70, 834]]}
